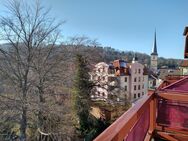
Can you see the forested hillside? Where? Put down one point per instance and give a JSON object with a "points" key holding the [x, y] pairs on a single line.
{"points": [[108, 54]]}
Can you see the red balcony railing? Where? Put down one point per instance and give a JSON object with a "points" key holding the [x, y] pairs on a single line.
{"points": [[162, 114], [139, 120]]}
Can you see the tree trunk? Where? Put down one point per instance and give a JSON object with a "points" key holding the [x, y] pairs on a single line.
{"points": [[23, 124], [40, 106], [23, 120]]}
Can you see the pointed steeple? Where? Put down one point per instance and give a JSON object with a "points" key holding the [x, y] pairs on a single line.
{"points": [[154, 50]]}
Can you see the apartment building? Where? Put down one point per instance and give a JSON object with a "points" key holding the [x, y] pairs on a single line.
{"points": [[102, 75]]}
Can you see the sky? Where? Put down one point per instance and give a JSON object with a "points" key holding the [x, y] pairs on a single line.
{"points": [[126, 25]]}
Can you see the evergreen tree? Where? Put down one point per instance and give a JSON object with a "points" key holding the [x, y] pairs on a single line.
{"points": [[82, 88]]}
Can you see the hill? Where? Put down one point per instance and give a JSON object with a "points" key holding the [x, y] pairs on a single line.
{"points": [[108, 54]]}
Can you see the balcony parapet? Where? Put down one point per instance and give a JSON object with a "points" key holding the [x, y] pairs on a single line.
{"points": [[121, 129]]}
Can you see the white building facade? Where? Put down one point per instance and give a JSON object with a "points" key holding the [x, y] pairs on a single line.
{"points": [[100, 76], [135, 83], [138, 81]]}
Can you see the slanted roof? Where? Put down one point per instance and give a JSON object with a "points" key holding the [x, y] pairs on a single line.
{"points": [[101, 64]]}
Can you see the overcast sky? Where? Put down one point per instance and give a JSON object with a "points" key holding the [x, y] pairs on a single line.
{"points": [[125, 24]]}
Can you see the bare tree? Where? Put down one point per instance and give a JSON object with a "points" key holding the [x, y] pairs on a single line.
{"points": [[29, 33]]}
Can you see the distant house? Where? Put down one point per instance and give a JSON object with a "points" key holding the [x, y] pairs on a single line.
{"points": [[103, 78], [184, 67], [164, 72], [154, 81]]}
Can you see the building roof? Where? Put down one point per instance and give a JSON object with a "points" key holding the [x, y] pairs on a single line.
{"points": [[154, 50], [184, 63], [123, 67], [101, 64], [185, 30]]}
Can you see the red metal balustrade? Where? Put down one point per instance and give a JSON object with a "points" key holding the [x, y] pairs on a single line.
{"points": [[163, 113], [130, 123]]}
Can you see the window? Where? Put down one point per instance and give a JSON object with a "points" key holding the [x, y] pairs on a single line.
{"points": [[142, 93], [98, 93], [134, 95], [134, 87], [143, 86], [125, 79], [143, 78], [125, 88], [139, 71], [138, 94], [103, 78], [135, 71], [139, 79], [135, 79], [138, 87], [103, 94], [98, 78]]}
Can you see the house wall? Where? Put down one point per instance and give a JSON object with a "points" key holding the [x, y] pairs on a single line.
{"points": [[184, 70], [100, 77], [138, 81], [150, 83], [145, 81], [125, 85]]}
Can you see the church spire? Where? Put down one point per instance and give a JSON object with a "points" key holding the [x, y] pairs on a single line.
{"points": [[154, 50]]}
